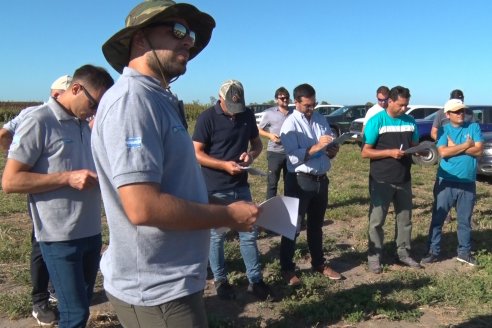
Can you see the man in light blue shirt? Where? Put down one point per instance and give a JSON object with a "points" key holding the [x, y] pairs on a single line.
{"points": [[306, 137]]}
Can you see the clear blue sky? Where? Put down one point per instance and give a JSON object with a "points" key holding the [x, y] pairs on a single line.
{"points": [[345, 49]]}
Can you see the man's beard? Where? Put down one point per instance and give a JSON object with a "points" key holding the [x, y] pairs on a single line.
{"points": [[171, 68]]}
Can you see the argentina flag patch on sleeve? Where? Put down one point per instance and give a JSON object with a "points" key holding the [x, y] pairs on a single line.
{"points": [[133, 142]]}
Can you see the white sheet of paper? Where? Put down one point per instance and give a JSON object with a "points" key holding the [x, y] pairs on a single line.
{"points": [[279, 214]]}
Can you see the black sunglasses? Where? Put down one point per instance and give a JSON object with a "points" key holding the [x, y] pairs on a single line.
{"points": [[179, 30], [93, 104]]}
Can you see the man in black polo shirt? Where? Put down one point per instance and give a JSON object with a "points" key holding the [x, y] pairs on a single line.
{"points": [[221, 139]]}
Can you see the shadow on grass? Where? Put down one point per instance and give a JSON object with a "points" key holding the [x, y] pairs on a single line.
{"points": [[482, 321], [348, 202], [359, 303]]}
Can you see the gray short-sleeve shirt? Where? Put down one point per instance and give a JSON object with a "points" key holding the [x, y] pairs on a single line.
{"points": [[272, 121], [50, 140], [138, 137]]}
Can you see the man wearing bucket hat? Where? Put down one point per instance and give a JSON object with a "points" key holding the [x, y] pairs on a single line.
{"points": [[459, 144], [221, 139], [153, 190]]}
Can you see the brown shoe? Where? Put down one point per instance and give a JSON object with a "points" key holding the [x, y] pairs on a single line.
{"points": [[328, 272], [290, 278]]}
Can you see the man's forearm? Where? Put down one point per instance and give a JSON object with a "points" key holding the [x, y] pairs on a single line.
{"points": [[32, 183]]}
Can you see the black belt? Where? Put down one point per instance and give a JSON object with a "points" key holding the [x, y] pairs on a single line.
{"points": [[313, 177]]}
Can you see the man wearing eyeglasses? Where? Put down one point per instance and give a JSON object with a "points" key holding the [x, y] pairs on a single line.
{"points": [[153, 190], [306, 137], [50, 159], [387, 135], [459, 144], [269, 127], [382, 95]]}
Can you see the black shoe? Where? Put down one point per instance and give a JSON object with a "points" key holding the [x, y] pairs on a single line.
{"points": [[468, 259], [44, 315], [261, 291], [224, 290], [53, 299], [408, 261], [429, 258]]}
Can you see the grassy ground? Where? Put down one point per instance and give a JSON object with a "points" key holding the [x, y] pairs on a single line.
{"points": [[443, 295]]}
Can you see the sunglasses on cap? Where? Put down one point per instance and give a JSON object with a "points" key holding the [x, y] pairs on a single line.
{"points": [[179, 30]]}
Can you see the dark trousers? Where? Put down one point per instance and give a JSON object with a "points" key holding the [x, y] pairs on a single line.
{"points": [[277, 163], [313, 201], [39, 274]]}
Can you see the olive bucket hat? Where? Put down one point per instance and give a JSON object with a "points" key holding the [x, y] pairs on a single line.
{"points": [[117, 48]]}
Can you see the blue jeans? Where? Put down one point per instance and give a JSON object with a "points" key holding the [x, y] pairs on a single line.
{"points": [[247, 242], [73, 266], [447, 194]]}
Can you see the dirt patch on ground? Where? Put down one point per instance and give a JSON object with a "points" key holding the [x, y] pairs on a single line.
{"points": [[245, 311]]}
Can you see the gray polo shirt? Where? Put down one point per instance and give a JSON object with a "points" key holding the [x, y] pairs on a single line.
{"points": [[50, 140], [272, 121], [138, 137]]}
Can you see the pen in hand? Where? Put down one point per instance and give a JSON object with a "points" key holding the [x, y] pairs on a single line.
{"points": [[401, 147]]}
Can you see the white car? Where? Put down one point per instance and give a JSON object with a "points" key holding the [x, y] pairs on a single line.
{"points": [[416, 111]]}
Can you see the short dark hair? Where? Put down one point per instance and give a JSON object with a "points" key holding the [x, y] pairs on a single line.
{"points": [[303, 90], [456, 94], [384, 90], [399, 91], [282, 91], [97, 77]]}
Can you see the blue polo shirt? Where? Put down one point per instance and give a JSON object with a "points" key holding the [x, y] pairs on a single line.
{"points": [[461, 167], [226, 138]]}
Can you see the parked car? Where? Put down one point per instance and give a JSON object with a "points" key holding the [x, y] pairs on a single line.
{"points": [[322, 109], [258, 110], [340, 119], [327, 109], [484, 165], [481, 114], [416, 111]]}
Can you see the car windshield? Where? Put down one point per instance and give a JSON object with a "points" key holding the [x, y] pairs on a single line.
{"points": [[340, 111], [430, 117]]}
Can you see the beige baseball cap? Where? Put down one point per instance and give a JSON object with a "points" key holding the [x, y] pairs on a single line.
{"points": [[232, 92], [453, 105]]}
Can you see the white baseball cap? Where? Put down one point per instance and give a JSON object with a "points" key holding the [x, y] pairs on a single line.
{"points": [[61, 83]]}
